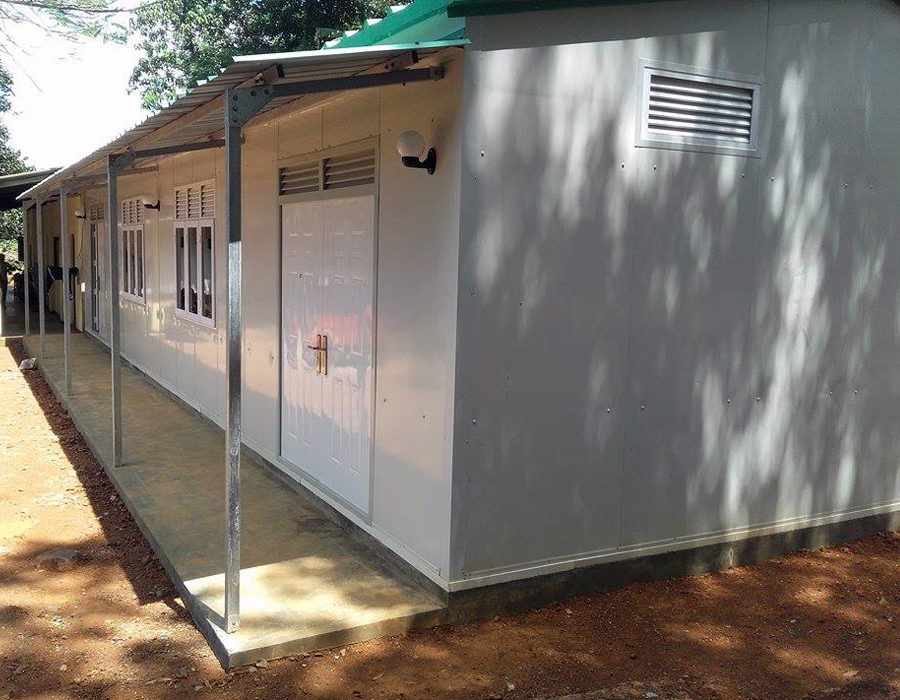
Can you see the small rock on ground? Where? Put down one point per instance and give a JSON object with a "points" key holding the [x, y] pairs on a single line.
{"points": [[58, 559]]}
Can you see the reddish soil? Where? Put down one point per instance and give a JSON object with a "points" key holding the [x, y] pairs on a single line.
{"points": [[817, 625]]}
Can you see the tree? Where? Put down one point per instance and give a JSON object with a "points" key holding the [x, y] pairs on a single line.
{"points": [[189, 40], [70, 20], [67, 19], [11, 161]]}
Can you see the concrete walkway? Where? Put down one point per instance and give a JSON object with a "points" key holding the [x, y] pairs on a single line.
{"points": [[12, 318], [306, 583]]}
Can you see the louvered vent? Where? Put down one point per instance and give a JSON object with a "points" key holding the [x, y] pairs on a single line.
{"points": [[95, 212], [350, 170], [299, 179], [132, 212], [332, 173], [681, 108], [207, 200], [181, 203], [197, 201], [193, 202]]}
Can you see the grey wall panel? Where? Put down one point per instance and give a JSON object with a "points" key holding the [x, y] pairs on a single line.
{"points": [[739, 317], [693, 265]]}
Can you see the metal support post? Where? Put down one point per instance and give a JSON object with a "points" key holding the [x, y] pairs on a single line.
{"points": [[41, 271], [114, 165], [67, 286], [27, 262], [240, 105]]}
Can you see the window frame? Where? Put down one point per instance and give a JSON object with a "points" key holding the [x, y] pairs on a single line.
{"points": [[182, 282], [127, 235]]}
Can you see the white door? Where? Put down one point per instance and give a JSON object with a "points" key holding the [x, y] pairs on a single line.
{"points": [[327, 300]]}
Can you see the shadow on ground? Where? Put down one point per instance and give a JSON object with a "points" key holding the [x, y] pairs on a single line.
{"points": [[812, 625]]}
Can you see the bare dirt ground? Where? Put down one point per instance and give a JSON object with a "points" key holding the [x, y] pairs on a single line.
{"points": [[816, 625]]}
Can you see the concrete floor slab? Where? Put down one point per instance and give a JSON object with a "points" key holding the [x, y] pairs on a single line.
{"points": [[306, 583]]}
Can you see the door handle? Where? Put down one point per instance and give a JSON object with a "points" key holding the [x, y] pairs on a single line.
{"points": [[321, 348], [318, 348]]}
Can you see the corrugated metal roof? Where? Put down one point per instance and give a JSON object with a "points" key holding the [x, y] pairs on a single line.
{"points": [[198, 114], [11, 186]]}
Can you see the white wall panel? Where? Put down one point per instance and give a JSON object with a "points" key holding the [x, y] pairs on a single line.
{"points": [[261, 289], [416, 311], [353, 118]]}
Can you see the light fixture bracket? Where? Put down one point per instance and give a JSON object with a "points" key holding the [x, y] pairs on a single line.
{"points": [[429, 164]]}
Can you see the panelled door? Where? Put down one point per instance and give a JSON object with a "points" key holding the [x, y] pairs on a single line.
{"points": [[327, 372]]}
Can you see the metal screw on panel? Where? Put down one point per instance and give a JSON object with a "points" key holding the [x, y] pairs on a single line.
{"points": [[727, 400], [474, 422], [609, 410], [757, 398], [642, 408]]}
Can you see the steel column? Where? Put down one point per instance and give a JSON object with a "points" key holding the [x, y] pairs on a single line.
{"points": [[114, 166], [240, 105], [233, 374], [65, 247], [42, 275], [27, 275]]}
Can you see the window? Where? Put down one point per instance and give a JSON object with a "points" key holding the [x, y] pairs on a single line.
{"points": [[131, 250], [195, 207], [694, 109]]}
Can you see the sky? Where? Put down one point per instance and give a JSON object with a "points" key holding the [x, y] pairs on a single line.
{"points": [[70, 97]]}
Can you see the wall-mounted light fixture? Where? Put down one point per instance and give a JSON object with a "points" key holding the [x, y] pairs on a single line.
{"points": [[150, 203], [411, 146], [79, 214]]}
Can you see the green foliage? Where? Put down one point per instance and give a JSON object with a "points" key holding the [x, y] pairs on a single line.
{"points": [[70, 20], [11, 161], [189, 40]]}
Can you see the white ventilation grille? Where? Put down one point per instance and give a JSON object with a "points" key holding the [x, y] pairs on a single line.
{"points": [[193, 200], [351, 169], [698, 110], [181, 203], [196, 201], [207, 200], [132, 212], [299, 179]]}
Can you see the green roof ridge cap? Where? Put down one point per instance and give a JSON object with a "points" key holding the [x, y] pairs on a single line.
{"points": [[471, 8], [392, 23]]}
